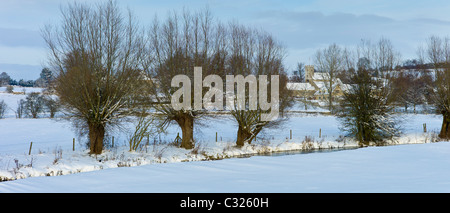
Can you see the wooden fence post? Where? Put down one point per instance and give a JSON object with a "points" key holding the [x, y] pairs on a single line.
{"points": [[320, 132], [31, 145], [73, 146], [290, 134]]}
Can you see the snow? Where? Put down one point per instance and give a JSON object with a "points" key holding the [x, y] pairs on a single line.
{"points": [[12, 100], [299, 86], [420, 166], [401, 168]]}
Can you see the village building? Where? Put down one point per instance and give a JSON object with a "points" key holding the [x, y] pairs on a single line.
{"points": [[316, 85]]}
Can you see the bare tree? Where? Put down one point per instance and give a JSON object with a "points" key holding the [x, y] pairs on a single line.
{"points": [[349, 60], [4, 79], [364, 54], [179, 44], [438, 54], [329, 61], [255, 54], [97, 55], [144, 128], [3, 107], [386, 57], [421, 55], [402, 86], [34, 104], [186, 42], [20, 108], [299, 73], [434, 52], [51, 104], [381, 57]]}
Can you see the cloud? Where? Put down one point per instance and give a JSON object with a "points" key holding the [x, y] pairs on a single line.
{"points": [[307, 29], [311, 30], [302, 26]]}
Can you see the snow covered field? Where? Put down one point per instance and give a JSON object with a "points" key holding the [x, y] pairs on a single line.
{"points": [[52, 149], [402, 168], [161, 167]]}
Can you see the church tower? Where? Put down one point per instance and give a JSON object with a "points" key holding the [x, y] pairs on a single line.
{"points": [[309, 72]]}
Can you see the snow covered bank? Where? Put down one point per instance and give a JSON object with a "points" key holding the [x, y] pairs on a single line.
{"points": [[402, 168], [52, 153]]}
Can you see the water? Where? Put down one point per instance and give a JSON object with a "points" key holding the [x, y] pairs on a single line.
{"points": [[296, 152]]}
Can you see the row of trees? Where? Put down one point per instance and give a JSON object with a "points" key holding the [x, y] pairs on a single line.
{"points": [[336, 62], [109, 68], [375, 86], [45, 77], [365, 110]]}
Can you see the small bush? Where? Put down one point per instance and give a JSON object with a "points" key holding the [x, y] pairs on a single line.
{"points": [[51, 104], [143, 129], [198, 149], [9, 89], [34, 104], [308, 143]]}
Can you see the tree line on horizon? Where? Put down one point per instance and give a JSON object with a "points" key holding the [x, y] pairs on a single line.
{"points": [[45, 77]]}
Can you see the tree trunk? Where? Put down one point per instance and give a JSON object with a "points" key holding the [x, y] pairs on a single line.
{"points": [[445, 133], [96, 135], [306, 104], [186, 122], [242, 136]]}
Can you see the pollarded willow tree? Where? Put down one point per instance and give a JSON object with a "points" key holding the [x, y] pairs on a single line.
{"points": [[177, 45], [260, 95], [438, 55], [97, 54], [186, 42]]}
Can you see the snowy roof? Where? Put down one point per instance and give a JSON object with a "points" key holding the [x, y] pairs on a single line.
{"points": [[321, 76], [321, 85], [299, 86], [346, 87]]}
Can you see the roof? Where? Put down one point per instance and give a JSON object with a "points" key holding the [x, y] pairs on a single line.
{"points": [[299, 86], [321, 76], [346, 87]]}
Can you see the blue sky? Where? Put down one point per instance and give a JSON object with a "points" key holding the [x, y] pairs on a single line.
{"points": [[302, 26]]}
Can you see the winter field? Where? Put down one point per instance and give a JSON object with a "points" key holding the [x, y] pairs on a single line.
{"points": [[159, 166]]}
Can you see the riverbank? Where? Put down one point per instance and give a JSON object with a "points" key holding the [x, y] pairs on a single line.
{"points": [[402, 168], [52, 151]]}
